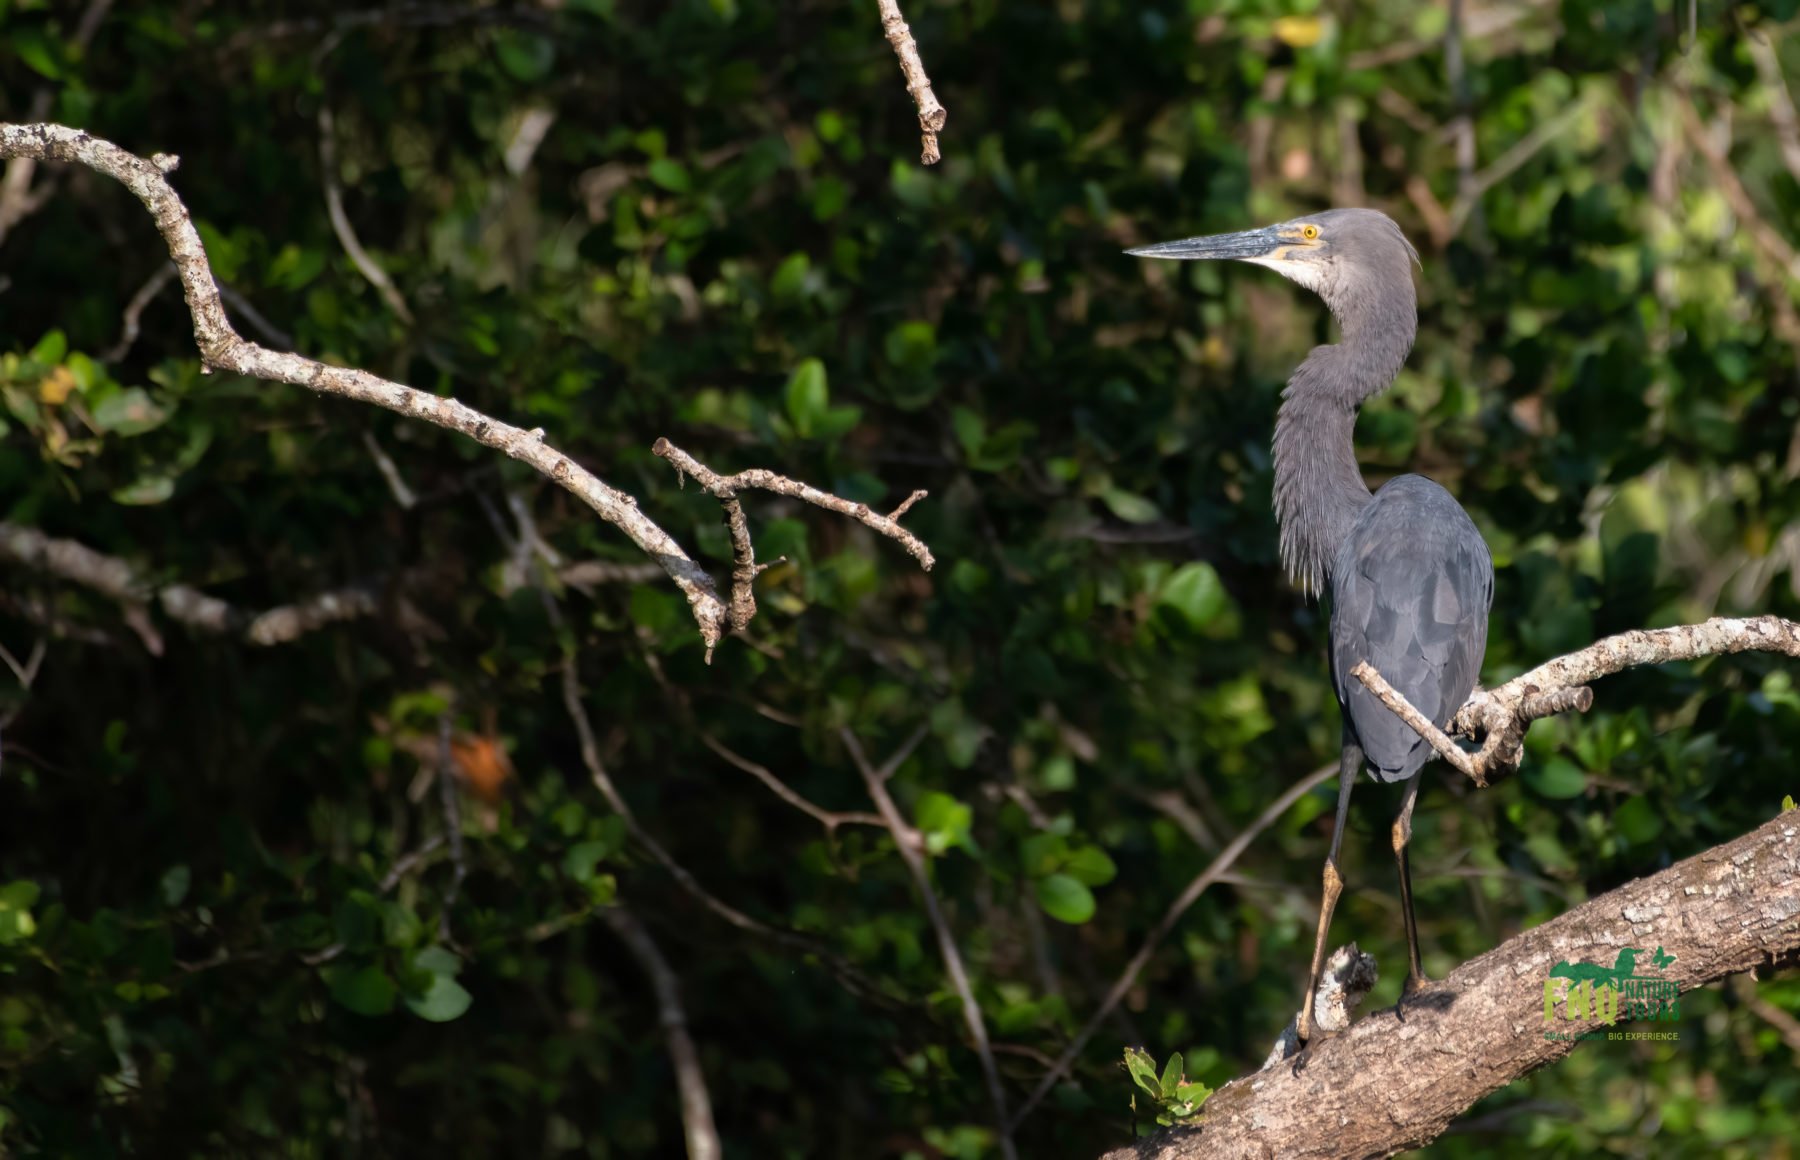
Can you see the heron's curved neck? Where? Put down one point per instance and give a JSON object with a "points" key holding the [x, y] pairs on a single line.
{"points": [[1319, 489]]}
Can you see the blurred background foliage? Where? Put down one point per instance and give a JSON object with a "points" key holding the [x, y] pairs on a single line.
{"points": [[232, 921]]}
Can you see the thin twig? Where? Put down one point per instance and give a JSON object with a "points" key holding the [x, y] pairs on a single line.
{"points": [[696, 1105], [1128, 977], [852, 978], [1781, 101], [1470, 191], [254, 317], [764, 480], [370, 269], [1463, 124], [134, 311], [830, 819], [403, 495], [1767, 238], [876, 781], [741, 608], [1784, 1024], [452, 806], [931, 114]]}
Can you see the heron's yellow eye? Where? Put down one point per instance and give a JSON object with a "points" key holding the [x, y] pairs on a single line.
{"points": [[1309, 232]]}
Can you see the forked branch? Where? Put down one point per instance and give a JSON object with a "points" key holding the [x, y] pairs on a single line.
{"points": [[223, 349], [1500, 716]]}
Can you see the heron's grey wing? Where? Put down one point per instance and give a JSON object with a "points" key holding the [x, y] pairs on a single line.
{"points": [[1411, 588]]}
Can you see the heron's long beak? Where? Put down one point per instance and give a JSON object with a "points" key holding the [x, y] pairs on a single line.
{"points": [[1246, 244]]}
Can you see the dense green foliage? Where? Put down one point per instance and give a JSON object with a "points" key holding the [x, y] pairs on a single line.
{"points": [[726, 238]]}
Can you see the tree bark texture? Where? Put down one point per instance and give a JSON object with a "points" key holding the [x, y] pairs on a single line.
{"points": [[1389, 1084]]}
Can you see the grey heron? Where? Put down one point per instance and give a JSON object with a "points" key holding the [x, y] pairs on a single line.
{"points": [[1409, 577]]}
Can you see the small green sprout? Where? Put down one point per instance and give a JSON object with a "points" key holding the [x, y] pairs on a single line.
{"points": [[1177, 1099]]}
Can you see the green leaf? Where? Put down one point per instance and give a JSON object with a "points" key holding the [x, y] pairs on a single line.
{"points": [[1196, 592], [808, 398], [789, 279], [911, 346], [1091, 866], [944, 821], [39, 53], [1065, 899], [365, 990], [1133, 509], [20, 895], [1043, 853], [1557, 778], [970, 428], [1637, 821], [16, 901], [1142, 1066], [438, 961], [129, 412], [51, 348], [1171, 1075], [445, 999], [1787, 802], [672, 175], [145, 490], [582, 860], [174, 885]]}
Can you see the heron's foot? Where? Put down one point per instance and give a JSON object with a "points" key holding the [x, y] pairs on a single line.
{"points": [[1415, 986]]}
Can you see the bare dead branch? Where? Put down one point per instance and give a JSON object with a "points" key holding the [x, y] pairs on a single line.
{"points": [[696, 1105], [1719, 913], [931, 114], [876, 780], [222, 348], [1421, 724], [763, 480], [1223, 862], [744, 569], [1503, 714]]}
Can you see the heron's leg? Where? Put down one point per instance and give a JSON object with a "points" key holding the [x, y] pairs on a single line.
{"points": [[1415, 975], [1348, 768]]}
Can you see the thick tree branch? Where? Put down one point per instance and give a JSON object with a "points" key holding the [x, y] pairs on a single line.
{"points": [[1387, 1085]]}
